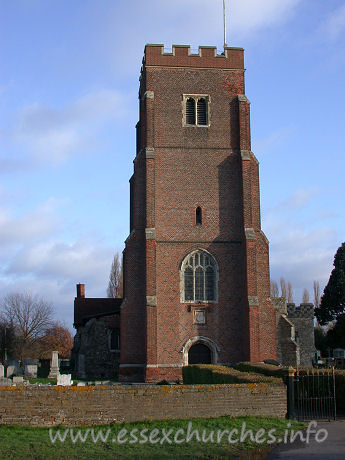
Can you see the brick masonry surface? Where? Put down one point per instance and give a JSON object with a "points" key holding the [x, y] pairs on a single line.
{"points": [[177, 169], [96, 405]]}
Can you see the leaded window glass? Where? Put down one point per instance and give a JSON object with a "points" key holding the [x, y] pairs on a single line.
{"points": [[199, 276]]}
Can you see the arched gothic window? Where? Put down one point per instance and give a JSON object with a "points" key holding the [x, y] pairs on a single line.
{"points": [[199, 276]]}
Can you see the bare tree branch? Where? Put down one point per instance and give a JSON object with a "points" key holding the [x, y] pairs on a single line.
{"points": [[30, 316], [274, 289], [316, 287], [283, 287], [305, 296], [290, 294], [115, 285]]}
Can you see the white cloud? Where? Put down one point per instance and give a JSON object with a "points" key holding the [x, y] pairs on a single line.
{"points": [[53, 268], [53, 134], [35, 256], [31, 226], [302, 242], [300, 198], [196, 22], [274, 139], [334, 25]]}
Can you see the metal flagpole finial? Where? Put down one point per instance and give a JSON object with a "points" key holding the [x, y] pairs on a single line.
{"points": [[224, 19]]}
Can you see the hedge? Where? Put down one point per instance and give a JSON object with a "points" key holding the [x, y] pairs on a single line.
{"points": [[213, 374], [262, 368]]}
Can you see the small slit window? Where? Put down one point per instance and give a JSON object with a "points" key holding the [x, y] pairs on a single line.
{"points": [[115, 339], [196, 110], [198, 216]]}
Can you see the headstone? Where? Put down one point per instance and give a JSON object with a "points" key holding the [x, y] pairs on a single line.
{"points": [[2, 371], [13, 368], [30, 370], [81, 384], [10, 371], [64, 380], [54, 365], [18, 380], [5, 382]]}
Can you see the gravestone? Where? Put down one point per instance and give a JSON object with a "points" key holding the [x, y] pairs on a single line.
{"points": [[2, 371], [17, 380], [64, 380], [30, 370], [13, 368], [54, 365]]}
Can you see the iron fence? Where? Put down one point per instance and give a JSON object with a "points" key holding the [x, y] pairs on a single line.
{"points": [[311, 394]]}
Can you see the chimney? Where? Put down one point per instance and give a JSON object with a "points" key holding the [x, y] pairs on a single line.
{"points": [[80, 291]]}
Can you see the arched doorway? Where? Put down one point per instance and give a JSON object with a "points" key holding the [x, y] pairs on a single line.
{"points": [[207, 354], [199, 354]]}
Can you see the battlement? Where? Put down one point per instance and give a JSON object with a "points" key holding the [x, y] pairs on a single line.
{"points": [[305, 310], [181, 56]]}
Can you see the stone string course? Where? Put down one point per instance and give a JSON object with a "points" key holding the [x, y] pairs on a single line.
{"points": [[49, 406]]}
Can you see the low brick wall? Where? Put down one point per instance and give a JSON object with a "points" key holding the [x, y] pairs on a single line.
{"points": [[97, 405]]}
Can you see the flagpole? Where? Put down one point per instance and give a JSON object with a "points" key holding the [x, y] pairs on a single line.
{"points": [[224, 19]]}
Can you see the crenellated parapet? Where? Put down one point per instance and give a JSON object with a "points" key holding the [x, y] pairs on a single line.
{"points": [[304, 310], [181, 56]]}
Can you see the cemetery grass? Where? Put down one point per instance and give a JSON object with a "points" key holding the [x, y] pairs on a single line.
{"points": [[34, 443]]}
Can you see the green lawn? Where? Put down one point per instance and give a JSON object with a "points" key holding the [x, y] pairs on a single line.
{"points": [[35, 443]]}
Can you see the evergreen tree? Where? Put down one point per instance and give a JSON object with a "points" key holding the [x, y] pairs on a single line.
{"points": [[332, 302], [336, 335]]}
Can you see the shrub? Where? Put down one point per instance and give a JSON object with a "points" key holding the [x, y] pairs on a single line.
{"points": [[262, 368], [213, 374]]}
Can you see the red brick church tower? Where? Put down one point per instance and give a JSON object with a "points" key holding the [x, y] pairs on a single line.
{"points": [[196, 269]]}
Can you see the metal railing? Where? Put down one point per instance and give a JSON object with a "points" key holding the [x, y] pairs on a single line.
{"points": [[311, 394]]}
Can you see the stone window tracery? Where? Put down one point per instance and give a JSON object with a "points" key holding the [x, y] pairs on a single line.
{"points": [[199, 277]]}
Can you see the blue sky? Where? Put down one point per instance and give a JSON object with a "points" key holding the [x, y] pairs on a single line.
{"points": [[68, 107]]}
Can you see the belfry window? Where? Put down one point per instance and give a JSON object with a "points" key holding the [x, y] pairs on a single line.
{"points": [[190, 111], [199, 276], [201, 110], [195, 110]]}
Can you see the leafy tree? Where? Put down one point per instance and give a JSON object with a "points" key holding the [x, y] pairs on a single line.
{"points": [[332, 302], [115, 285], [58, 338], [30, 316]]}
